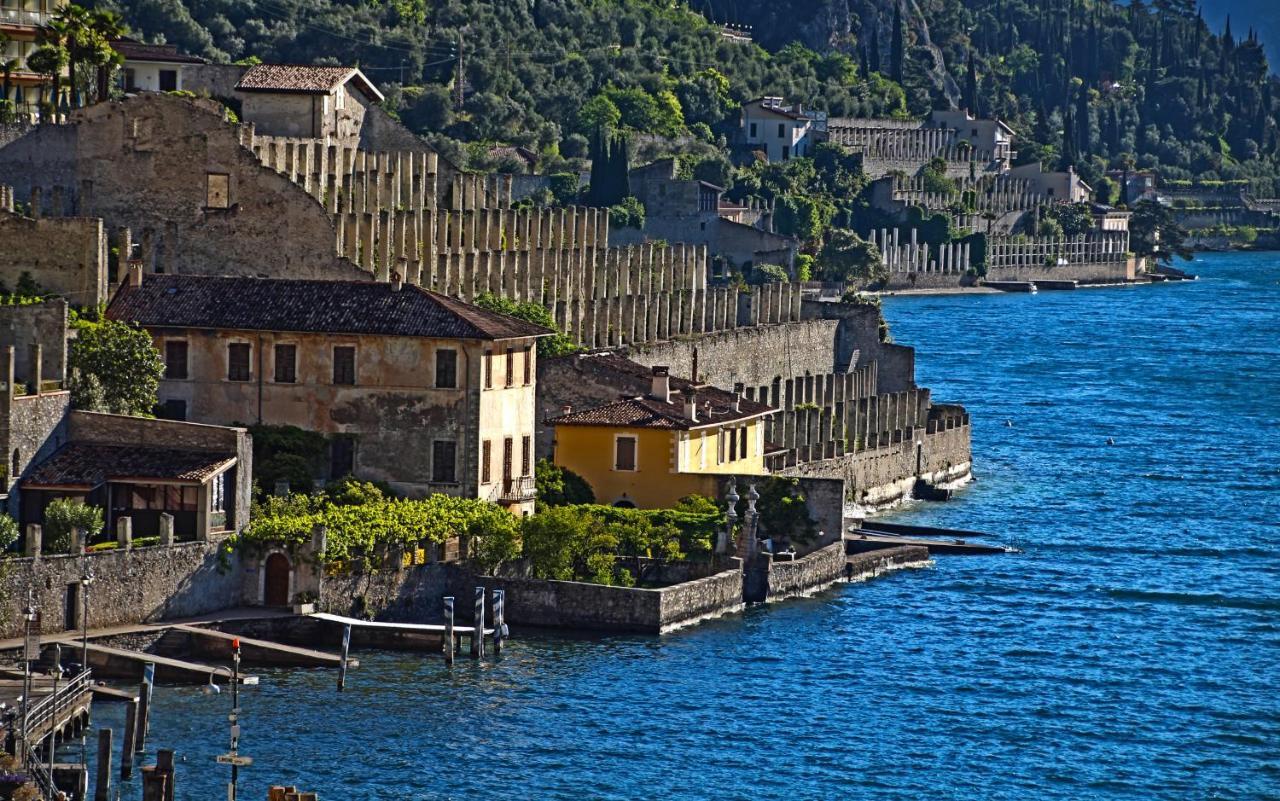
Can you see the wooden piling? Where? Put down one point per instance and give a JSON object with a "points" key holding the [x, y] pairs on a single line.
{"points": [[477, 630], [342, 667], [499, 615], [130, 732], [102, 788], [140, 727], [448, 630]]}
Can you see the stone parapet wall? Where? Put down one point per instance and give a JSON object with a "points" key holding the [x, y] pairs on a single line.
{"points": [[754, 356], [64, 255], [140, 585]]}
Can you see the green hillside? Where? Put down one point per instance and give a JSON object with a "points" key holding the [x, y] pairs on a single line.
{"points": [[1089, 82]]}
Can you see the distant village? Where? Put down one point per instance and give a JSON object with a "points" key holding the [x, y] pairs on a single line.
{"points": [[371, 380]]}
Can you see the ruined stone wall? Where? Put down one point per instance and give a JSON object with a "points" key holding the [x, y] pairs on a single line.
{"points": [[754, 356], [30, 432], [145, 164], [65, 255], [134, 586], [43, 324], [807, 574], [857, 343]]}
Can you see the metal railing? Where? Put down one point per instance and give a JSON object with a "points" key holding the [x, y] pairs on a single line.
{"points": [[47, 708], [40, 773], [518, 488]]}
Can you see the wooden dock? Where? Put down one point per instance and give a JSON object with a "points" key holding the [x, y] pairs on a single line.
{"points": [[874, 535], [109, 662], [213, 644]]}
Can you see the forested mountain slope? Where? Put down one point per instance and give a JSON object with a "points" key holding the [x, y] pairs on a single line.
{"points": [[1094, 83]]}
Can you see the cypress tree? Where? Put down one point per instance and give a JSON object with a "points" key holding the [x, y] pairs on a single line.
{"points": [[875, 46], [971, 87], [897, 46], [1084, 130], [864, 63], [1068, 158]]}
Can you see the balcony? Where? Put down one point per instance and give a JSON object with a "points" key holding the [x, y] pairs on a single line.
{"points": [[22, 17], [517, 490]]}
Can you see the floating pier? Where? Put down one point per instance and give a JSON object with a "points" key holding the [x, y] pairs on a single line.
{"points": [[1011, 286], [213, 644], [874, 536]]}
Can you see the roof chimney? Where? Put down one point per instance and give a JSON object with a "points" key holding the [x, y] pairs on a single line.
{"points": [[660, 389], [135, 272], [566, 409], [737, 396], [691, 404], [397, 281]]}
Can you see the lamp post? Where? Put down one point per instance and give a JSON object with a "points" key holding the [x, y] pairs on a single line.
{"points": [[30, 616], [86, 578], [232, 757], [53, 721]]}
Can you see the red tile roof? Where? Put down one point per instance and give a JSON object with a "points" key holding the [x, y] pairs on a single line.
{"points": [[88, 465], [303, 79], [714, 408], [133, 50], [302, 306]]}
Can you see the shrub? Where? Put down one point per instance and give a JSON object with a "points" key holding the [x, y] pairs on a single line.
{"points": [[63, 516], [558, 486], [769, 274], [8, 531]]}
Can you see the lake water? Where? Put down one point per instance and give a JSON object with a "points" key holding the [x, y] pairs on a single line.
{"points": [[1131, 652]]}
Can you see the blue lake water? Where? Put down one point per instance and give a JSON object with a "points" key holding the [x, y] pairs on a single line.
{"points": [[1130, 653]]}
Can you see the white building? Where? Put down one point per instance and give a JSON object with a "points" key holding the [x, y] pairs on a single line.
{"points": [[152, 68], [984, 135], [1061, 187], [780, 131]]}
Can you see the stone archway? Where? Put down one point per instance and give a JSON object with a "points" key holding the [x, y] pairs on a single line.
{"points": [[275, 590]]}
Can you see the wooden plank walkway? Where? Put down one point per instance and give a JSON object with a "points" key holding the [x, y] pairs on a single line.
{"points": [[255, 651], [424, 628], [121, 663]]}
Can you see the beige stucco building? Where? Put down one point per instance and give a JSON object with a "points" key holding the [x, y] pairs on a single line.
{"points": [[410, 387]]}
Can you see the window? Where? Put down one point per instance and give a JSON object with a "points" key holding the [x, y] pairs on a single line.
{"points": [[218, 191], [720, 447], [446, 369], [488, 369], [528, 365], [526, 455], [786, 152], [511, 367], [753, 130], [130, 80], [286, 364], [624, 453], [218, 493], [486, 458], [782, 130], [238, 361], [344, 365], [742, 442], [1050, 192], [974, 132], [508, 458], [172, 409], [175, 359], [168, 80], [733, 446], [342, 456], [444, 454]]}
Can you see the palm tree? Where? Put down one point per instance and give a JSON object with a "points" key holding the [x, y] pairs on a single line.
{"points": [[49, 59], [107, 26]]}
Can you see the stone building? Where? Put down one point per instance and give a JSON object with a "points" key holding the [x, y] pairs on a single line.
{"points": [[651, 450], [689, 211], [325, 103], [414, 388]]}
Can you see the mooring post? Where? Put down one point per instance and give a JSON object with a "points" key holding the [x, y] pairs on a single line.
{"points": [[342, 667], [477, 633], [499, 614], [448, 630], [144, 708], [126, 750], [102, 790]]}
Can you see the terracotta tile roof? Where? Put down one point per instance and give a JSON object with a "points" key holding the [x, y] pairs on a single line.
{"points": [[303, 79], [89, 465], [133, 50], [329, 307], [648, 412]]}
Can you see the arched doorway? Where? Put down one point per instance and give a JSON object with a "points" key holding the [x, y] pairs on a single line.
{"points": [[276, 587]]}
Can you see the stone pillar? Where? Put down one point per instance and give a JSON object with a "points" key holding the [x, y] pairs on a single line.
{"points": [[33, 543], [166, 529], [124, 532]]}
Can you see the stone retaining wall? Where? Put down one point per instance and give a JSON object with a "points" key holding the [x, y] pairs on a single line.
{"points": [[135, 586]]}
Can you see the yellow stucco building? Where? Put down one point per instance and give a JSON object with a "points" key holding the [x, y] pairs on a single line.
{"points": [[650, 451]]}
